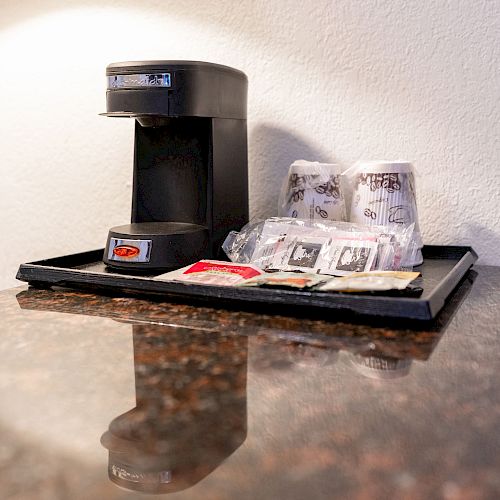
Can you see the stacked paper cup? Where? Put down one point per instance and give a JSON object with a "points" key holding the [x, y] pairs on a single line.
{"points": [[312, 191], [384, 194]]}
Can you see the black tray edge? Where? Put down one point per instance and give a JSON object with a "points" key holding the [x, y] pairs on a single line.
{"points": [[444, 288]]}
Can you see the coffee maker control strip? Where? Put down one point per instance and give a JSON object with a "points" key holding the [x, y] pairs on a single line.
{"points": [[122, 250], [139, 81]]}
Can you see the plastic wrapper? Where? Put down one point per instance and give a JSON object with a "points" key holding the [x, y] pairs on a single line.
{"points": [[327, 247], [312, 191]]}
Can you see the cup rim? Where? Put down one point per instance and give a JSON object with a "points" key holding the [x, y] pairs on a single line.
{"points": [[384, 167], [304, 167]]}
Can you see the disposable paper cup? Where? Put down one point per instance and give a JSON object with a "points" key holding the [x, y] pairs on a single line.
{"points": [[312, 191], [384, 194]]}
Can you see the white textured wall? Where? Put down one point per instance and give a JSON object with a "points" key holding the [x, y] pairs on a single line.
{"points": [[331, 80]]}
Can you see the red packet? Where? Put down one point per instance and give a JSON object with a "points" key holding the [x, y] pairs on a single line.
{"points": [[214, 272]]}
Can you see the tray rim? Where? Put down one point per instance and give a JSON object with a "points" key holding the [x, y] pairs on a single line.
{"points": [[45, 272]]}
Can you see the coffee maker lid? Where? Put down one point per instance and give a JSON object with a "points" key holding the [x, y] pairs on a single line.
{"points": [[142, 89], [134, 67]]}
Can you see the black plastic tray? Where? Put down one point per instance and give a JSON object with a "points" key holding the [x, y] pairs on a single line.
{"points": [[442, 270]]}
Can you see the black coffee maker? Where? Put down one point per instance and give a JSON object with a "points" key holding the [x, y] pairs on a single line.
{"points": [[190, 183]]}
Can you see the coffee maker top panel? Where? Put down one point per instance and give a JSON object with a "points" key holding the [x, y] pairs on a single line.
{"points": [[129, 67], [175, 88]]}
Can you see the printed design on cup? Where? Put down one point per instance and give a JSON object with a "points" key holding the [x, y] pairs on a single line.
{"points": [[400, 214], [330, 188], [388, 181], [370, 213], [322, 213], [298, 184]]}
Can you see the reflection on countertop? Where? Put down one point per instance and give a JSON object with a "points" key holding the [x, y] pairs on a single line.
{"points": [[204, 403], [190, 411], [374, 336]]}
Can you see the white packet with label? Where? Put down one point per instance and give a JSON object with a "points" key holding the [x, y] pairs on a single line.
{"points": [[375, 281]]}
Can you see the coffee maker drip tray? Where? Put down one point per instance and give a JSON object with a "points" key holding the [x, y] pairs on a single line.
{"points": [[155, 245]]}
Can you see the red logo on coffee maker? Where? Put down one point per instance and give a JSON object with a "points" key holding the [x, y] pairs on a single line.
{"points": [[126, 251]]}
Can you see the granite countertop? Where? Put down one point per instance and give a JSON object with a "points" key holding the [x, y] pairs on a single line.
{"points": [[107, 397]]}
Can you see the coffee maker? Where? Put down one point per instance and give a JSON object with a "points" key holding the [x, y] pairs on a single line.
{"points": [[190, 180]]}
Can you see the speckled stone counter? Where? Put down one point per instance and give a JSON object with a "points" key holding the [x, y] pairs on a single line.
{"points": [[122, 398]]}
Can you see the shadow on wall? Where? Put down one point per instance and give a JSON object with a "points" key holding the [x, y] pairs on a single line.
{"points": [[271, 151], [474, 235]]}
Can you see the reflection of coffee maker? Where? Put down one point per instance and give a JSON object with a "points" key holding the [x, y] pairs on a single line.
{"points": [[190, 413], [381, 367], [190, 184]]}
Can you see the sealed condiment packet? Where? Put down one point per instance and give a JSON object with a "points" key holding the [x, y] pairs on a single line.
{"points": [[294, 280], [374, 281], [213, 272], [292, 247], [322, 247]]}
